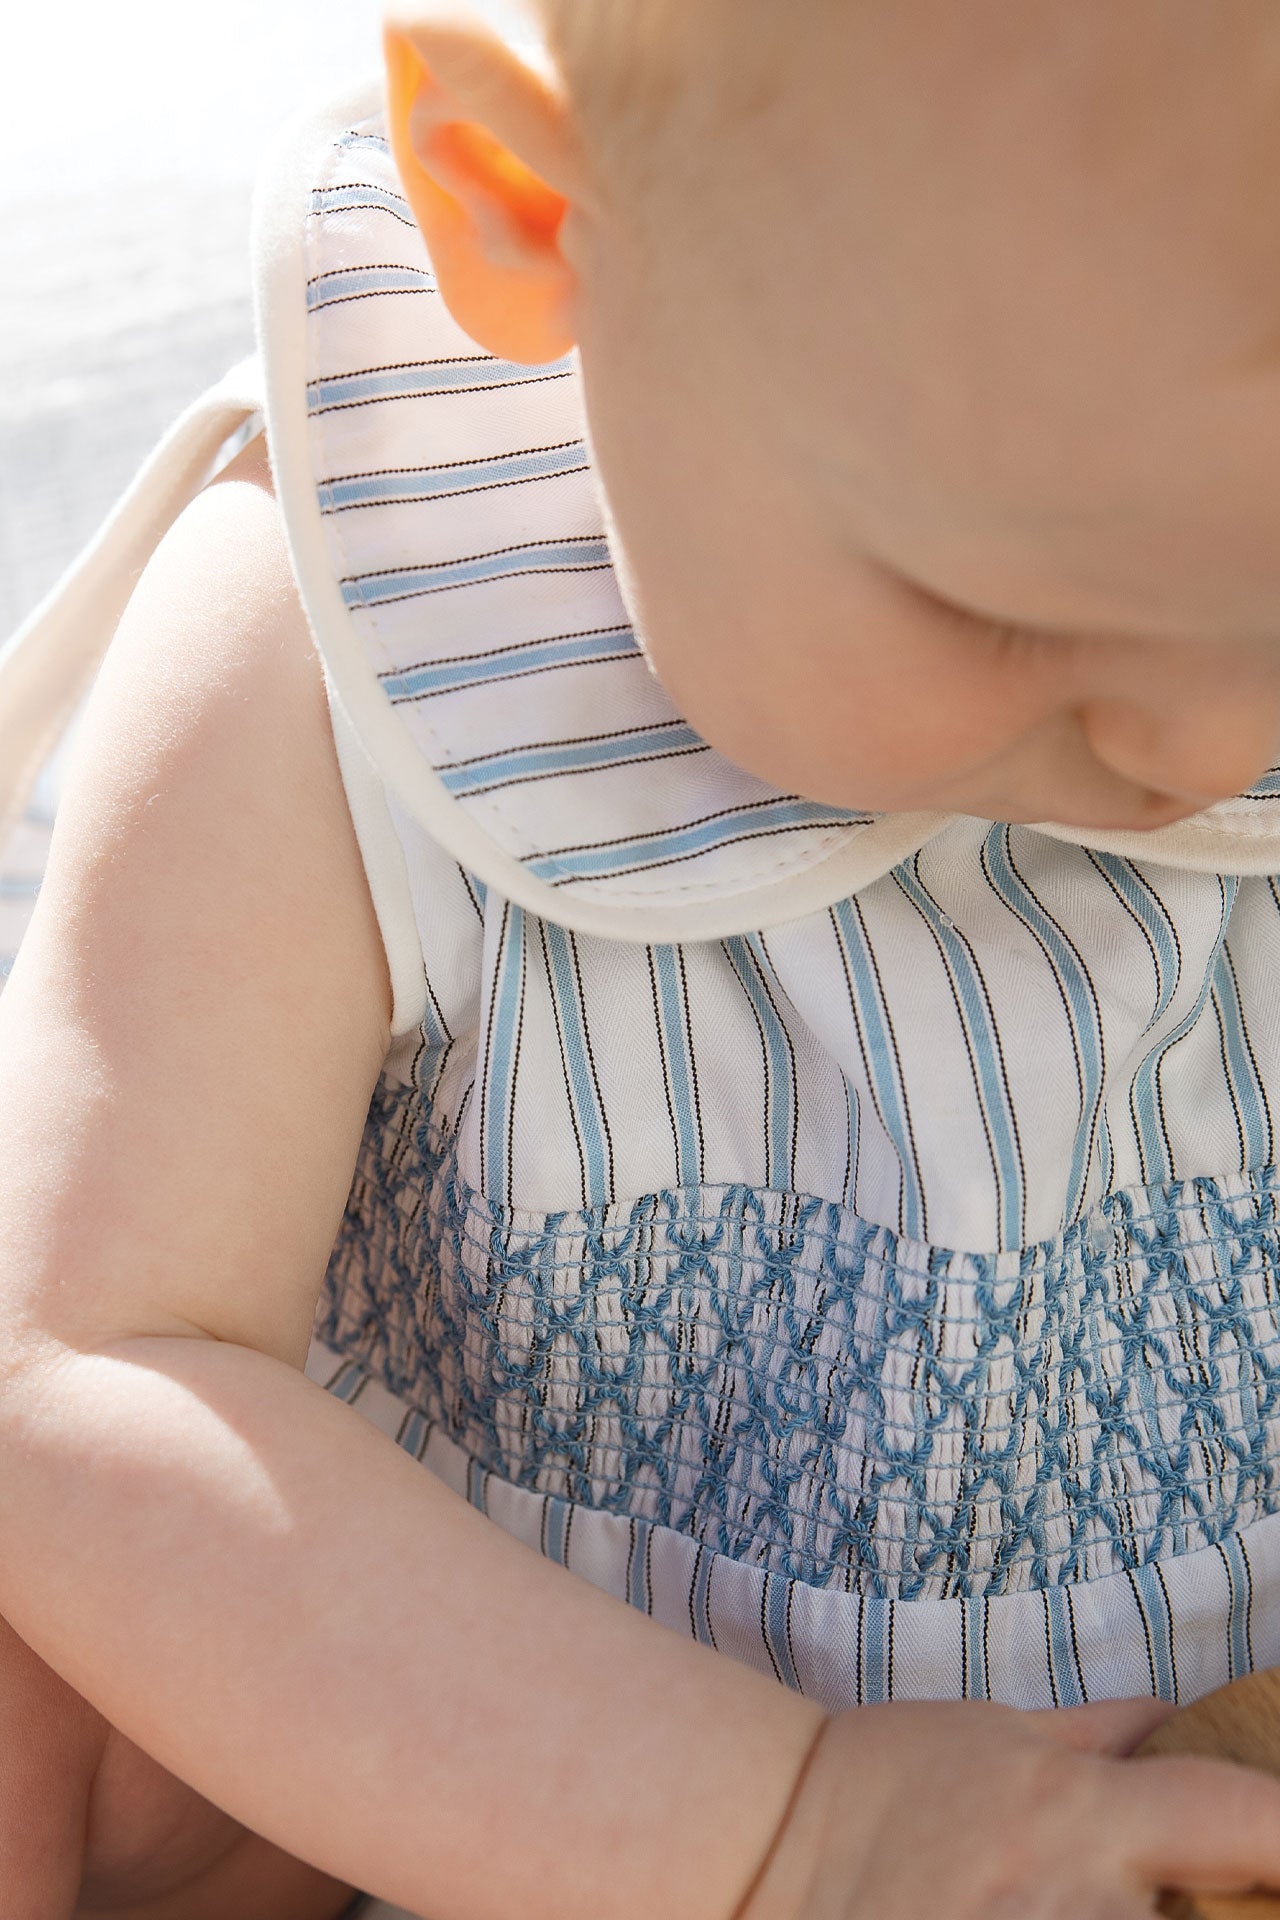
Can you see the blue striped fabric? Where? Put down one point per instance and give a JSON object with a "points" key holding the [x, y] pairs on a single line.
{"points": [[679, 1070], [361, 198], [642, 852], [518, 764], [986, 1060], [465, 526], [1099, 1640], [457, 476], [878, 1046], [541, 556], [1079, 1001], [462, 374], [1235, 1560], [356, 283], [1062, 1649], [835, 1293], [511, 663], [770, 1373]]}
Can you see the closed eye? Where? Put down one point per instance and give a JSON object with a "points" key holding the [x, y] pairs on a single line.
{"points": [[1007, 643]]}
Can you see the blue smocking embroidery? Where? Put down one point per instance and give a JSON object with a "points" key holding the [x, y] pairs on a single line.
{"points": [[818, 1396]]}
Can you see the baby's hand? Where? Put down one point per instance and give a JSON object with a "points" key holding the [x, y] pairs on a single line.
{"points": [[89, 1826], [976, 1812]]}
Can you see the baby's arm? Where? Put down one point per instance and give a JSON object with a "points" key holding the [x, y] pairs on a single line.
{"points": [[240, 1573], [89, 1823], [260, 1589]]}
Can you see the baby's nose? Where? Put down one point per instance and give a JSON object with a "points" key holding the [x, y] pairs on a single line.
{"points": [[1207, 739], [1232, 744], [1221, 742]]}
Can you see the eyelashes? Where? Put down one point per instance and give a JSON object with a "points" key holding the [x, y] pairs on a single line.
{"points": [[1005, 644]]}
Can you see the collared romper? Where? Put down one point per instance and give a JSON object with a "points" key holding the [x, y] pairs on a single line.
{"points": [[852, 1239]]}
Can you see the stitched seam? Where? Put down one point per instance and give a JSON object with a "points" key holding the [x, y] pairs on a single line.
{"points": [[725, 1418]]}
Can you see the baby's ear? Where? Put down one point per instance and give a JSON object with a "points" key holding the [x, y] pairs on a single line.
{"points": [[489, 160]]}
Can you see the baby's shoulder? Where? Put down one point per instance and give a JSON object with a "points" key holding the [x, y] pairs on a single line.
{"points": [[204, 937], [210, 706]]}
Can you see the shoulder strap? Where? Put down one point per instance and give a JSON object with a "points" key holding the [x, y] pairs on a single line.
{"points": [[48, 664]]}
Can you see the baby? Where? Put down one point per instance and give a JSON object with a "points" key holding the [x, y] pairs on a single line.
{"points": [[810, 1102]]}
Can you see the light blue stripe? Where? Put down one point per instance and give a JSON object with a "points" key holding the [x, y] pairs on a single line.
{"points": [[1267, 786], [974, 1654], [874, 1617], [1152, 917], [573, 1035], [348, 283], [1144, 1095], [982, 1042], [881, 1059], [450, 676], [1154, 1609], [333, 199], [347, 1382], [1238, 1650], [657, 849], [19, 886], [374, 140], [500, 1068], [556, 1528], [476, 1475], [583, 756], [437, 1041], [638, 1583], [1066, 1679], [424, 377], [673, 1012], [853, 1109], [415, 1431], [469, 476], [1245, 1087], [372, 590], [773, 1621], [750, 963], [1072, 977], [698, 1600]]}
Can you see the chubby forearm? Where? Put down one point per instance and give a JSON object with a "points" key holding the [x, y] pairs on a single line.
{"points": [[281, 1607]]}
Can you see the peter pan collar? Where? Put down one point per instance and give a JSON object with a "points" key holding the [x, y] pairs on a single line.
{"points": [[449, 541]]}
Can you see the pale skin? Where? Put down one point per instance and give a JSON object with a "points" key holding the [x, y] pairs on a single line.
{"points": [[495, 1737]]}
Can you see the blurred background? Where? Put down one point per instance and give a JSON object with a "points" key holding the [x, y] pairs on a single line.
{"points": [[130, 134]]}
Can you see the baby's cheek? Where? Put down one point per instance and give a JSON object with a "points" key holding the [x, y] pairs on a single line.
{"points": [[807, 728]]}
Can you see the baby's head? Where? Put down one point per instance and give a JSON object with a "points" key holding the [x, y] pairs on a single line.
{"points": [[932, 359]]}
